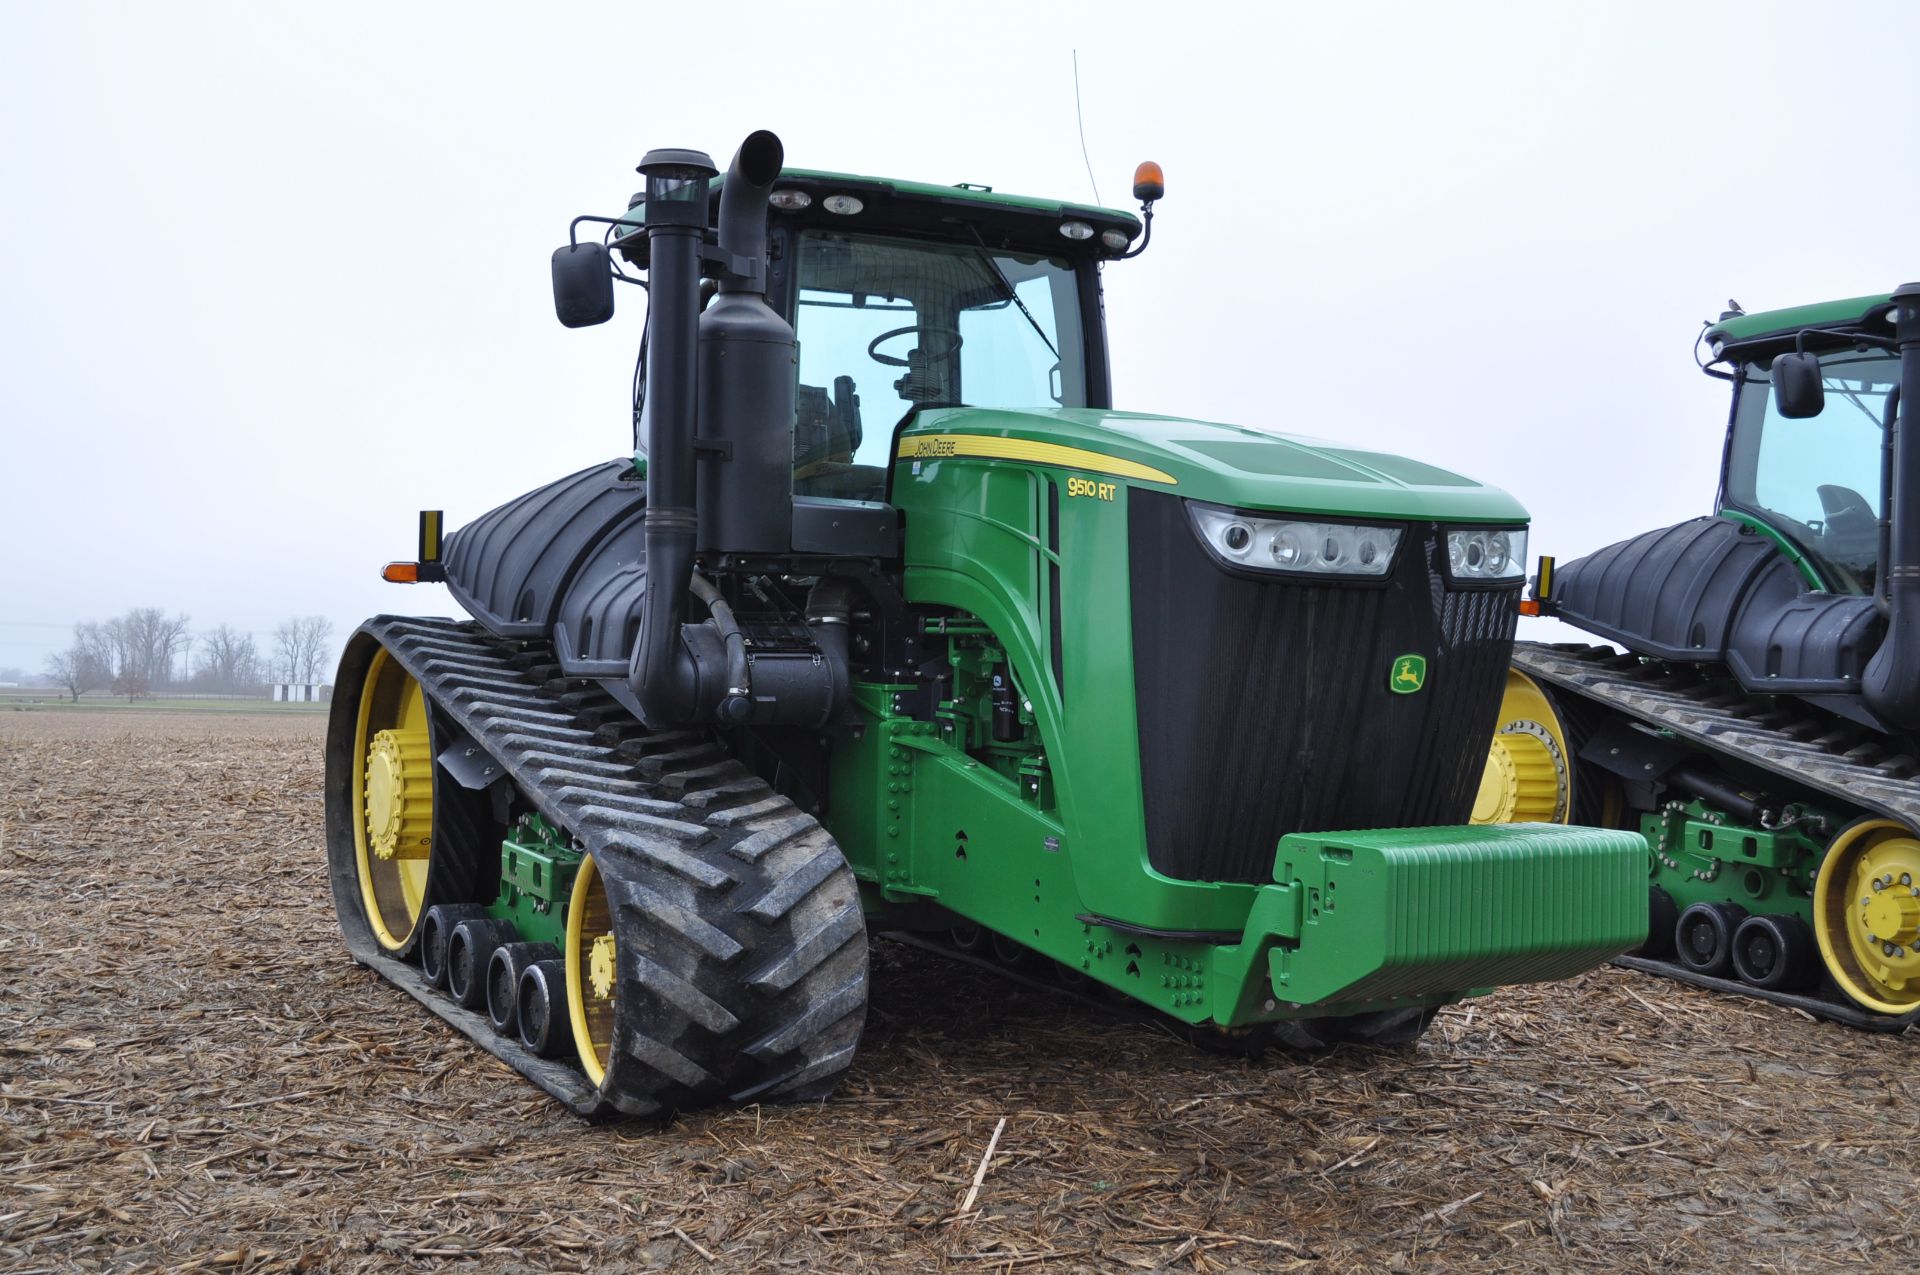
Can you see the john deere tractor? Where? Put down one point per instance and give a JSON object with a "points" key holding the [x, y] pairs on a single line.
{"points": [[894, 624], [1760, 726]]}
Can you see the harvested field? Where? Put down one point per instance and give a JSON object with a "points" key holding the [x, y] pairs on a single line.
{"points": [[193, 1075]]}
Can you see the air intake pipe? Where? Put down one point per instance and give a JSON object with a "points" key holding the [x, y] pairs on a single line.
{"points": [[720, 402], [746, 376], [1891, 683], [662, 675]]}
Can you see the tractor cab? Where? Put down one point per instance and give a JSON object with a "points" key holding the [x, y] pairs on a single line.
{"points": [[887, 325], [1806, 580], [1816, 482], [906, 296]]}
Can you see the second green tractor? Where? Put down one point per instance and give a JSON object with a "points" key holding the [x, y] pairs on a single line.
{"points": [[1761, 723]]}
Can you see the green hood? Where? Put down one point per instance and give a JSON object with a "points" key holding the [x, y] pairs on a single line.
{"points": [[1224, 464]]}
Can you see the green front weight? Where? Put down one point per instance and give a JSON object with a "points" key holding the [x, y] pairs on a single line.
{"points": [[1391, 915]]}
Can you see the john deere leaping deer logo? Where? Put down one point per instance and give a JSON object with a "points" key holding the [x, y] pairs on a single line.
{"points": [[1409, 674]]}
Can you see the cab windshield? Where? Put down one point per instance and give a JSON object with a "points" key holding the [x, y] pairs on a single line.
{"points": [[887, 325], [1817, 480]]}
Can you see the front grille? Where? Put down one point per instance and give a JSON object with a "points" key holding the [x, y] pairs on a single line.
{"points": [[1264, 703]]}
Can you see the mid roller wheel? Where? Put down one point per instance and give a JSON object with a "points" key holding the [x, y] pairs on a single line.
{"points": [[470, 949], [1703, 939], [1775, 952]]}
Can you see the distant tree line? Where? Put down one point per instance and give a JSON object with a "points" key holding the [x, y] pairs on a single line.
{"points": [[145, 650]]}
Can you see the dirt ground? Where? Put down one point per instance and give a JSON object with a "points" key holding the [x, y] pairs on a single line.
{"points": [[193, 1075]]}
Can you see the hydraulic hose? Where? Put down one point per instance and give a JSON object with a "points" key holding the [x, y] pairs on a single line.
{"points": [[737, 704]]}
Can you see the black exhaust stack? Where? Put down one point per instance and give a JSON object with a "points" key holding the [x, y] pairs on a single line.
{"points": [[662, 676], [1891, 683], [746, 376]]}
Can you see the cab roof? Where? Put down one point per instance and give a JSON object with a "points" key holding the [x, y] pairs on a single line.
{"points": [[964, 195], [888, 204], [1852, 312]]}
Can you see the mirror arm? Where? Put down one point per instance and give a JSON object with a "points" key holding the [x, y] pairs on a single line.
{"points": [[573, 227]]}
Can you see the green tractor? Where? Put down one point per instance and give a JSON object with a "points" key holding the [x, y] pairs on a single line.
{"points": [[894, 624], [1760, 726]]}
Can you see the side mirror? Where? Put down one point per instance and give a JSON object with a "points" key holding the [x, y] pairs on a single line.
{"points": [[582, 285], [1797, 389]]}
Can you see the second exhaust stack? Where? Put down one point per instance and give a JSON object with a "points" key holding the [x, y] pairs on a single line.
{"points": [[746, 378]]}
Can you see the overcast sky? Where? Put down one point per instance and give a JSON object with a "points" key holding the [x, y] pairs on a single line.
{"points": [[274, 278]]}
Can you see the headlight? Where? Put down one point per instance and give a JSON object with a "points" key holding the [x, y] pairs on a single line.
{"points": [[1291, 545], [1487, 555]]}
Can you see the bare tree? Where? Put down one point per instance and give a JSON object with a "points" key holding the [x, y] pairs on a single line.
{"points": [[87, 664], [300, 647], [71, 670], [229, 661], [145, 642], [92, 639]]}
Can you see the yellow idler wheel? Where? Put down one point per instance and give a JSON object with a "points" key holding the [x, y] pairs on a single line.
{"points": [[1528, 778], [1866, 914], [592, 977], [392, 801]]}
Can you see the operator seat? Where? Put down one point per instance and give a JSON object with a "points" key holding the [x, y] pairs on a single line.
{"points": [[826, 435]]}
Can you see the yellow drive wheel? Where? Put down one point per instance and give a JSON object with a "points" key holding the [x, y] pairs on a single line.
{"points": [[592, 976], [1529, 772], [1866, 914], [392, 801]]}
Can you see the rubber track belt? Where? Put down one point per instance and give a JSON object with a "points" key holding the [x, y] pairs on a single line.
{"points": [[1854, 766], [553, 745]]}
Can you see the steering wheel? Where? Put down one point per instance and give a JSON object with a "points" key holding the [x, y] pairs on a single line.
{"points": [[950, 335]]}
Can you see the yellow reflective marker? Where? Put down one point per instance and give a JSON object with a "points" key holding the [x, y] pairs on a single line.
{"points": [[938, 446], [430, 535]]}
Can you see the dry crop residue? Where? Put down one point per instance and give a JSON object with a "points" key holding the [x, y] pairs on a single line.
{"points": [[193, 1075]]}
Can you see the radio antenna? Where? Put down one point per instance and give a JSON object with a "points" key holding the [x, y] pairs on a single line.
{"points": [[1080, 119]]}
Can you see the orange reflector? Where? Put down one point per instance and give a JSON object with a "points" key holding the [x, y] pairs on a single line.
{"points": [[1149, 183], [1529, 607], [401, 573]]}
